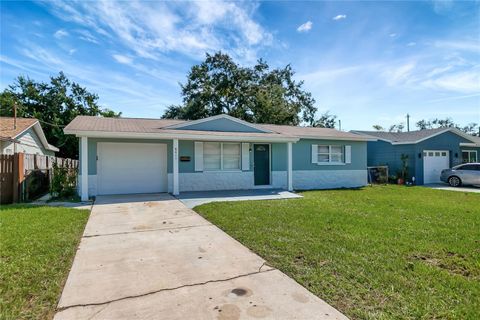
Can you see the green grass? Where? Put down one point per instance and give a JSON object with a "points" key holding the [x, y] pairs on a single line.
{"points": [[384, 252], [37, 246]]}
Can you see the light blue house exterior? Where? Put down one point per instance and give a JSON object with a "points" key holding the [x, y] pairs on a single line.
{"points": [[428, 151], [218, 153]]}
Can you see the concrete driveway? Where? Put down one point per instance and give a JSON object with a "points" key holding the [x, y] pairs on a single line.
{"points": [[442, 186], [150, 257]]}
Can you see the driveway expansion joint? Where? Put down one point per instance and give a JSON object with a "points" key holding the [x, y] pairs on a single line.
{"points": [[149, 230], [60, 309]]}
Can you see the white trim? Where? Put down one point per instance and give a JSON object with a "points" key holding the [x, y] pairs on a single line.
{"points": [[314, 154], [220, 116], [198, 154], [84, 169], [245, 156], [204, 137], [472, 145], [289, 167], [348, 154], [175, 168], [360, 138]]}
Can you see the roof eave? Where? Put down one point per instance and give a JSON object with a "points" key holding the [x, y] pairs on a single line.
{"points": [[183, 136], [360, 138]]}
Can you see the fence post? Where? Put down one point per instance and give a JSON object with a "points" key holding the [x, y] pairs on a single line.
{"points": [[18, 176]]}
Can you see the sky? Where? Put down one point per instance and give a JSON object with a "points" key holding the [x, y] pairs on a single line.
{"points": [[366, 62]]}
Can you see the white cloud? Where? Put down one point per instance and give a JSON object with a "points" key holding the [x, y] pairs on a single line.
{"points": [[307, 26], [151, 29], [411, 44], [399, 74], [122, 59], [392, 35], [460, 45], [340, 17], [72, 51], [87, 36], [464, 81], [59, 34]]}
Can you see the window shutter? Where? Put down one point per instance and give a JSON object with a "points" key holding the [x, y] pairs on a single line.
{"points": [[314, 153], [198, 156], [245, 156], [348, 154]]}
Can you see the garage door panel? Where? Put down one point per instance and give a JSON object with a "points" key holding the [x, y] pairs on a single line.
{"points": [[434, 161], [132, 168]]}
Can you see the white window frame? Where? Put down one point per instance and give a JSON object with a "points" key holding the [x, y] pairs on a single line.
{"points": [[221, 157], [469, 152], [330, 162]]}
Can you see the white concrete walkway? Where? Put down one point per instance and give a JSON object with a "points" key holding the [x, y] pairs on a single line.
{"points": [[196, 198], [150, 257]]}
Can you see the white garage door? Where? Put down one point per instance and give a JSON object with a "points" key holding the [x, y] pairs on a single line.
{"points": [[434, 161], [124, 168]]}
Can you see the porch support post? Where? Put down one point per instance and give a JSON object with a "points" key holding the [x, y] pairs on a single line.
{"points": [[175, 168], [84, 168], [289, 167]]}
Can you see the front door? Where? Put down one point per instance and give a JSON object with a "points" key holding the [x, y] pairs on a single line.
{"points": [[261, 164]]}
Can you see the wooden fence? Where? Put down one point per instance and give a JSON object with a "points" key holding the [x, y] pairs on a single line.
{"points": [[24, 176]]}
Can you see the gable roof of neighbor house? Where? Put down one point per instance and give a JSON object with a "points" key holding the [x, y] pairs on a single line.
{"points": [[10, 130], [412, 137], [162, 128]]}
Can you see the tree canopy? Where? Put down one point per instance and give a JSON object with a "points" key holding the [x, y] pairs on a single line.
{"points": [[54, 104], [256, 94], [471, 128]]}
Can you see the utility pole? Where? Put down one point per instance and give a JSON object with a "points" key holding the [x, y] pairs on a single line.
{"points": [[408, 122], [15, 115]]}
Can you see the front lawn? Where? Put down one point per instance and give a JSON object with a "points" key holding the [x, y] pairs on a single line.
{"points": [[384, 252], [37, 246]]}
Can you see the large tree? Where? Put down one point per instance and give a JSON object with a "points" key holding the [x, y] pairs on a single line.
{"points": [[54, 104], [257, 94]]}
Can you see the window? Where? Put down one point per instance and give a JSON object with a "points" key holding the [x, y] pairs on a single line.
{"points": [[330, 154], [231, 156], [469, 156], [221, 156], [212, 156]]}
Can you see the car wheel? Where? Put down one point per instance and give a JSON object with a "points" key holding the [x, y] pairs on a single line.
{"points": [[454, 181]]}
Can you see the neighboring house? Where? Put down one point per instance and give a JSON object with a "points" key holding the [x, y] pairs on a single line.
{"points": [[23, 135], [217, 153], [429, 151]]}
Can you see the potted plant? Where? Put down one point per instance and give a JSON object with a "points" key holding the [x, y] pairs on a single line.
{"points": [[400, 179], [403, 173]]}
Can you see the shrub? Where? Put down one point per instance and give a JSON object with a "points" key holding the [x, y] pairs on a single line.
{"points": [[64, 182]]}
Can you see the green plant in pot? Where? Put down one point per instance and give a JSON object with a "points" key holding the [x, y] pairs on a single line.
{"points": [[402, 175]]}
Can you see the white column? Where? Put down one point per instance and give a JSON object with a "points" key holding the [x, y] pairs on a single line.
{"points": [[289, 167], [84, 168], [175, 168]]}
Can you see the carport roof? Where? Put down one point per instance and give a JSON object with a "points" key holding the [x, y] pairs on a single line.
{"points": [[137, 127]]}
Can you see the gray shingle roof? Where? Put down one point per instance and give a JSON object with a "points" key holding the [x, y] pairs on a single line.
{"points": [[136, 125], [408, 137]]}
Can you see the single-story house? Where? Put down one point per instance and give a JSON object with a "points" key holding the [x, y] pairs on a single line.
{"points": [[127, 155], [429, 151], [23, 135]]}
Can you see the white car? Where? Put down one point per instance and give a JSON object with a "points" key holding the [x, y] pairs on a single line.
{"points": [[464, 174]]}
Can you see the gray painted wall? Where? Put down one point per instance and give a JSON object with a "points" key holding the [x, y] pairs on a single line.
{"points": [[222, 124]]}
